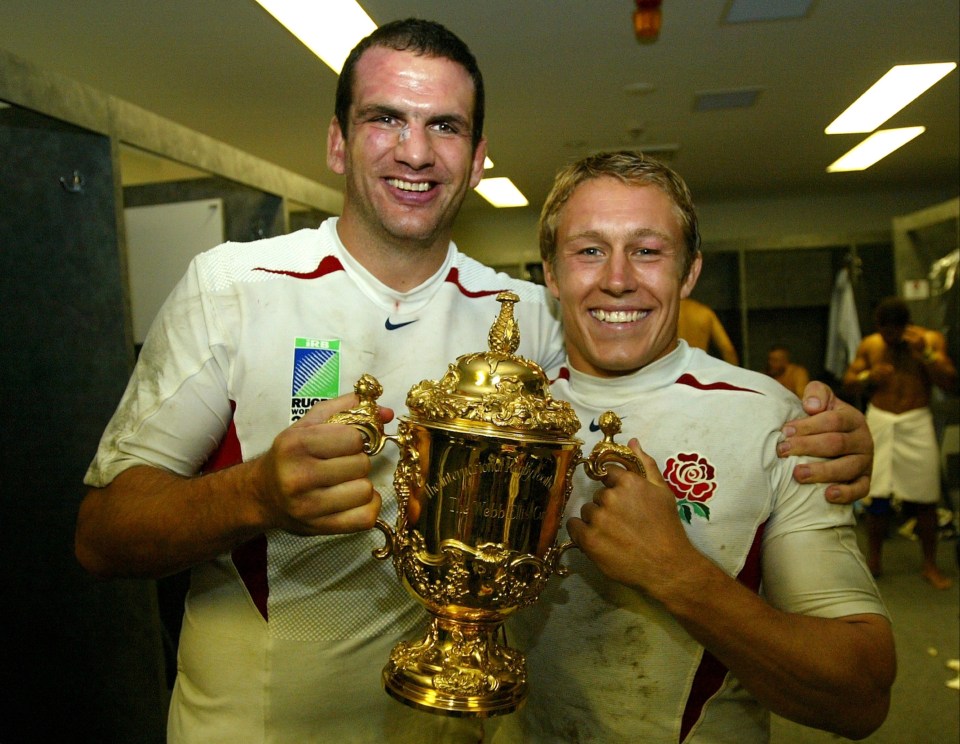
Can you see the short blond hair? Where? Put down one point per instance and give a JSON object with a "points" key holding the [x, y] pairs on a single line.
{"points": [[632, 168]]}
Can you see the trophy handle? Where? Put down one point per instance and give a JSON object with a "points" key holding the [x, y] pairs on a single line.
{"points": [[389, 546], [553, 561], [364, 418], [605, 453]]}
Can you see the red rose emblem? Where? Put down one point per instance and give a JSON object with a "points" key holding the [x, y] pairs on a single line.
{"points": [[690, 477]]}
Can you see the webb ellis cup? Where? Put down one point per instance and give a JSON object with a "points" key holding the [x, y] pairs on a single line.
{"points": [[487, 458]]}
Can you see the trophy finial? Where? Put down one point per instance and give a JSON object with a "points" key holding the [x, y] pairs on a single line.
{"points": [[504, 337], [368, 389], [610, 425]]}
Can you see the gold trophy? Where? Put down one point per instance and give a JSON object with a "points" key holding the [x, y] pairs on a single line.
{"points": [[486, 468]]}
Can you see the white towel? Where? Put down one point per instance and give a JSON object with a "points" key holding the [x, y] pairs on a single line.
{"points": [[843, 331], [905, 455]]}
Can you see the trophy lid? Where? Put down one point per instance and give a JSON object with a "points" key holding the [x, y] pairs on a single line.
{"points": [[495, 388]]}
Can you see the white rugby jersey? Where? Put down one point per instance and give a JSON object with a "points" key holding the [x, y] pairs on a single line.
{"points": [[284, 639], [606, 664]]}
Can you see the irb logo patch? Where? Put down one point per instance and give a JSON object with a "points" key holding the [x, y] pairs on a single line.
{"points": [[316, 373]]}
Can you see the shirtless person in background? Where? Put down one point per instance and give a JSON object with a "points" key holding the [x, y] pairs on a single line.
{"points": [[701, 328], [794, 377], [897, 367]]}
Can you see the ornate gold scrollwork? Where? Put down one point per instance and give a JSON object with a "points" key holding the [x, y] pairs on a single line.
{"points": [[365, 416], [606, 451]]}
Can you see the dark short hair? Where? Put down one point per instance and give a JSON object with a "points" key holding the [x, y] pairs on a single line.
{"points": [[420, 37], [632, 168], [892, 312]]}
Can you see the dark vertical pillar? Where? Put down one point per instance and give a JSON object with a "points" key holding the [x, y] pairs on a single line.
{"points": [[81, 658]]}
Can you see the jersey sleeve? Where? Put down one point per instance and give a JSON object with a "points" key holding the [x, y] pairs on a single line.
{"points": [[176, 406], [812, 564]]}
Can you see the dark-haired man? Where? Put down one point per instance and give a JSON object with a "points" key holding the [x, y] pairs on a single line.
{"points": [[289, 619]]}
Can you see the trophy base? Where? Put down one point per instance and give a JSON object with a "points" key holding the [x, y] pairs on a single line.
{"points": [[458, 669]]}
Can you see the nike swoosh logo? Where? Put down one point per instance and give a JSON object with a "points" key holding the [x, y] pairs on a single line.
{"points": [[394, 326]]}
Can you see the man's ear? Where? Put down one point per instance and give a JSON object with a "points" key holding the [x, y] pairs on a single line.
{"points": [[476, 168], [692, 275], [550, 280], [336, 148]]}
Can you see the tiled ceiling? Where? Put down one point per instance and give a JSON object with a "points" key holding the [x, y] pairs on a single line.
{"points": [[564, 77]]}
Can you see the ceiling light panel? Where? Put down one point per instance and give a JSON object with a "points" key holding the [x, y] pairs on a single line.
{"points": [[874, 148], [901, 85], [745, 11], [501, 192], [329, 29], [726, 99]]}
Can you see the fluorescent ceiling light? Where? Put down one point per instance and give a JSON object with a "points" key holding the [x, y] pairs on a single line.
{"points": [[329, 29], [875, 147], [901, 85], [487, 163], [501, 192]]}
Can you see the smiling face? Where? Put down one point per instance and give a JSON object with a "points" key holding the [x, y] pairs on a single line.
{"points": [[409, 159], [617, 274]]}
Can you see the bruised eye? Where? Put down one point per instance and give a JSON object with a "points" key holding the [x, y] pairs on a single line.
{"points": [[379, 117], [386, 121]]}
